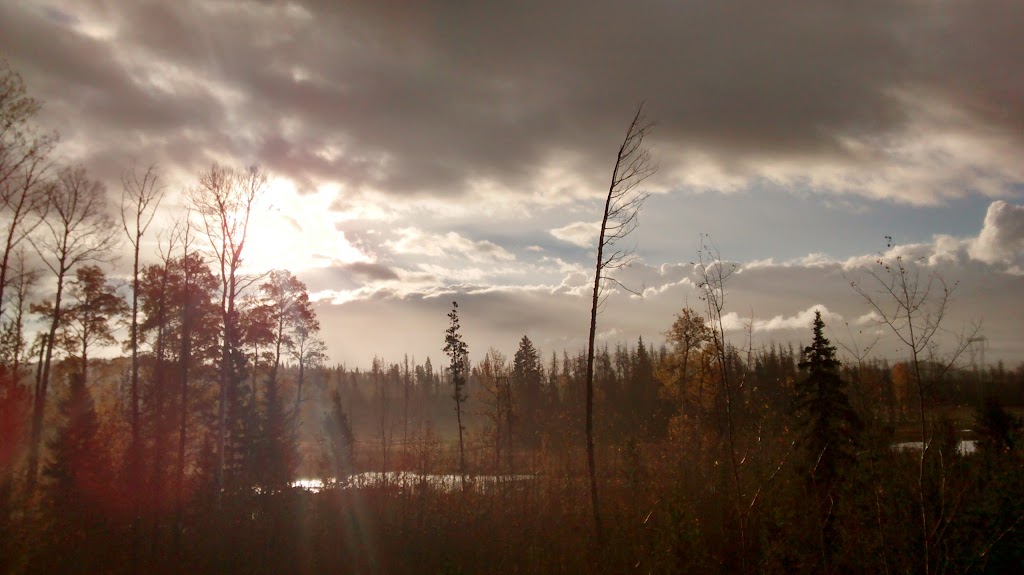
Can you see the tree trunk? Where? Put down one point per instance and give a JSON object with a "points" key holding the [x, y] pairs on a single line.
{"points": [[462, 448], [39, 402], [591, 464], [134, 449], [298, 399], [621, 205], [184, 359]]}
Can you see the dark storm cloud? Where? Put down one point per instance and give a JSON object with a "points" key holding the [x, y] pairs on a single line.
{"points": [[434, 97], [973, 53]]}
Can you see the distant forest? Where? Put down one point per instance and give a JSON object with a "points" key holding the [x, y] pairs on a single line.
{"points": [[224, 440]]}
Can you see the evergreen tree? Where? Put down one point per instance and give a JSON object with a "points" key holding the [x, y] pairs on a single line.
{"points": [[278, 451], [998, 431], [458, 353], [77, 476], [14, 409], [829, 424], [648, 421], [340, 437], [89, 320], [429, 379], [526, 379]]}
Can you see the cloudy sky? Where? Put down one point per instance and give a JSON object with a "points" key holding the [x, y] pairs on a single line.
{"points": [[423, 152]]}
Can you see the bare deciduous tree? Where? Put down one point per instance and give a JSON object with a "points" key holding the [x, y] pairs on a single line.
{"points": [[713, 274], [621, 208], [24, 163], [224, 199], [913, 306], [13, 346], [140, 198], [76, 230], [493, 383]]}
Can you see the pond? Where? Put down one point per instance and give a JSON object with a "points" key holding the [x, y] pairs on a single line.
{"points": [[965, 447], [440, 482]]}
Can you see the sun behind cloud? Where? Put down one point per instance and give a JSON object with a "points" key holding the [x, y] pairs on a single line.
{"points": [[296, 231]]}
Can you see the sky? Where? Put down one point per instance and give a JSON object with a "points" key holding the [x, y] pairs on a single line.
{"points": [[425, 152]]}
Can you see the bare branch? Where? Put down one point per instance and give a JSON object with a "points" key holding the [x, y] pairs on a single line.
{"points": [[140, 198], [913, 307], [622, 204]]}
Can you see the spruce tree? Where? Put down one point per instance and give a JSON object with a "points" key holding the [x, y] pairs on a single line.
{"points": [[75, 467], [77, 493], [341, 439], [998, 431], [829, 424], [526, 379], [457, 351], [279, 456]]}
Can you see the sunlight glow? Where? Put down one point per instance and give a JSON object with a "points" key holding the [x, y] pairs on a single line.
{"points": [[296, 231]]}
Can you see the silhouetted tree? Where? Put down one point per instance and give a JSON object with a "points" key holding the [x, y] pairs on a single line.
{"points": [[224, 199], [140, 198], [829, 424], [340, 437], [92, 316], [913, 308], [495, 396], [198, 323], [527, 374], [77, 230], [24, 163], [14, 410], [77, 474], [308, 351], [458, 355], [621, 208], [829, 428], [13, 347], [292, 327], [276, 465], [998, 431], [687, 336]]}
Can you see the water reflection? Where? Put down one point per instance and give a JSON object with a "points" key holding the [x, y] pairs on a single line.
{"points": [[965, 447], [408, 479]]}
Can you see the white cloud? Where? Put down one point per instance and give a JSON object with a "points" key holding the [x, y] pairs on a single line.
{"points": [[869, 318], [415, 241], [456, 275], [582, 234], [575, 283], [1002, 236], [800, 320], [947, 249], [1000, 243]]}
